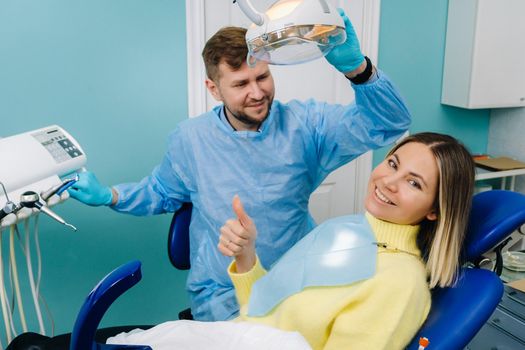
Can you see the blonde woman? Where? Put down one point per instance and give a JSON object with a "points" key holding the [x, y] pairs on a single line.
{"points": [[418, 202]]}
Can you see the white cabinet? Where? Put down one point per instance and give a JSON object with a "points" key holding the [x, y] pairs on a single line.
{"points": [[485, 54]]}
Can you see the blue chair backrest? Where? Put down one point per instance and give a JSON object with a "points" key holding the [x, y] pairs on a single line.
{"points": [[459, 312], [494, 216], [179, 237]]}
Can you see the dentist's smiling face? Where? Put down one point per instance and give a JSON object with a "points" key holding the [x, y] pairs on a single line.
{"points": [[247, 94], [402, 189]]}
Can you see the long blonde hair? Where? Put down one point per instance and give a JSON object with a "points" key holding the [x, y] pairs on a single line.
{"points": [[441, 240]]}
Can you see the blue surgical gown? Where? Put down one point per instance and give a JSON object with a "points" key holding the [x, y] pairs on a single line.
{"points": [[273, 170]]}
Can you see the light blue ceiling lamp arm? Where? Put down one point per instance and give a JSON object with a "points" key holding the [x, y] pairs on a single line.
{"points": [[256, 17], [250, 12], [324, 5]]}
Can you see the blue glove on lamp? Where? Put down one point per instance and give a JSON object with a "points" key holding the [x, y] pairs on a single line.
{"points": [[89, 191], [347, 56]]}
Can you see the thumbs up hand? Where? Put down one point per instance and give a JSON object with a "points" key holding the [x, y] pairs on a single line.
{"points": [[238, 236]]}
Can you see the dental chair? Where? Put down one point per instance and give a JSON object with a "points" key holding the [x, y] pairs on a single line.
{"points": [[457, 313]]}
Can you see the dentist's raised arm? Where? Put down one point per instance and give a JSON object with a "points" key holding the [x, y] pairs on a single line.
{"points": [[347, 57], [238, 236]]}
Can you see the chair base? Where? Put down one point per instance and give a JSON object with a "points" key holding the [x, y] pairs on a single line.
{"points": [[35, 341]]}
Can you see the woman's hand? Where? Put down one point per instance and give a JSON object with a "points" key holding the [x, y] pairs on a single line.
{"points": [[238, 236]]}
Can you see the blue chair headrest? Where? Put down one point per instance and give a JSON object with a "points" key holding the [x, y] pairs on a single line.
{"points": [[494, 216]]}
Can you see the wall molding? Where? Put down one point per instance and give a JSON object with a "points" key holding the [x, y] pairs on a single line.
{"points": [[195, 40]]}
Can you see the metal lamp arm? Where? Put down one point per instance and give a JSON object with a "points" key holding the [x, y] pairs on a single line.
{"points": [[250, 12]]}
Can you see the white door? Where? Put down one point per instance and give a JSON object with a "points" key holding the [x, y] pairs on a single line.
{"points": [[343, 191]]}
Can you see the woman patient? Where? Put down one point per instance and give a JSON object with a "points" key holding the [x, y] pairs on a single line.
{"points": [[362, 281]]}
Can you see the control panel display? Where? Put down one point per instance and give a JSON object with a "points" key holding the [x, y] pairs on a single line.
{"points": [[57, 144]]}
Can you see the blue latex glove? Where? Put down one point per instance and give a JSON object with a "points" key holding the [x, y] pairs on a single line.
{"points": [[89, 191], [347, 56]]}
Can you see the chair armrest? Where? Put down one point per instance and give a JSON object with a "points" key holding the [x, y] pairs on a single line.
{"points": [[99, 300]]}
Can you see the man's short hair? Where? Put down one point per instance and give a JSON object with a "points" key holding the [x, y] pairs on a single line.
{"points": [[227, 45]]}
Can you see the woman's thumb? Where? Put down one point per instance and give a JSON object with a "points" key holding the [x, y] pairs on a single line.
{"points": [[238, 209]]}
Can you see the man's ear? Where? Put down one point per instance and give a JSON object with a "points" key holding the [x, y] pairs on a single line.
{"points": [[213, 89], [432, 216]]}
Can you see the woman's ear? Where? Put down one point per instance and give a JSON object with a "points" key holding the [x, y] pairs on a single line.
{"points": [[432, 216]]}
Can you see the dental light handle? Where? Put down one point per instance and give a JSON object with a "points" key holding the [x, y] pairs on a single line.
{"points": [[31, 199], [250, 12]]}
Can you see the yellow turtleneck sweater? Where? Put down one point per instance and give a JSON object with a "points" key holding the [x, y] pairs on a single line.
{"points": [[383, 312]]}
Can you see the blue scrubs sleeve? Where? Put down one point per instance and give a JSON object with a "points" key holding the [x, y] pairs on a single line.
{"points": [[164, 190], [377, 118]]}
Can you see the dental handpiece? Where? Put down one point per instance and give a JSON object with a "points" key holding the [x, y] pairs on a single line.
{"points": [[8, 208], [31, 199], [58, 189]]}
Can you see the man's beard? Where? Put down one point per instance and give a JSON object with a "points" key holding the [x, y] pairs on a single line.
{"points": [[246, 119]]}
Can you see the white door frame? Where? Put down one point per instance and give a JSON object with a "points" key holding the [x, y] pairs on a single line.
{"points": [[195, 40]]}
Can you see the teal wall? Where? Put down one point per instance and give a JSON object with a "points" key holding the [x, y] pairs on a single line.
{"points": [[113, 74], [411, 52]]}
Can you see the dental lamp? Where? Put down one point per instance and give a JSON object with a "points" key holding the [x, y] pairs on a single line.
{"points": [[292, 31]]}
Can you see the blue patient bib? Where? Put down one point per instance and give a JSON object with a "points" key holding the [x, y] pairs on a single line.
{"points": [[338, 252]]}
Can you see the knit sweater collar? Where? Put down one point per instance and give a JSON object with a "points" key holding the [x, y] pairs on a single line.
{"points": [[395, 236]]}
